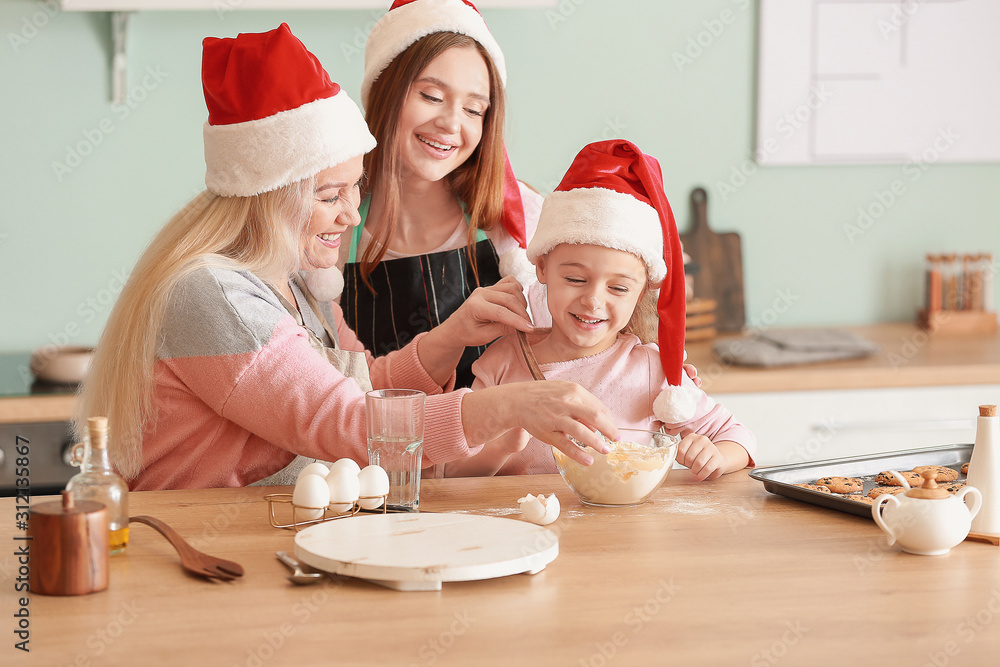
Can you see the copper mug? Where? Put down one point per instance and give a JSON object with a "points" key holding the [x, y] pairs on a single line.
{"points": [[69, 544]]}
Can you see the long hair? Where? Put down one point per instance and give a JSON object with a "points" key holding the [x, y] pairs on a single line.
{"points": [[262, 234], [478, 182], [644, 321]]}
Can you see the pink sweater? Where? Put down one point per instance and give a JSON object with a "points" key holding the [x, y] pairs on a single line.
{"points": [[239, 391], [626, 377]]}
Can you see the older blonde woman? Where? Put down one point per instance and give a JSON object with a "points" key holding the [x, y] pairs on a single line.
{"points": [[218, 367]]}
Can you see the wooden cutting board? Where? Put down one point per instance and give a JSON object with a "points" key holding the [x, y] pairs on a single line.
{"points": [[417, 552], [720, 265]]}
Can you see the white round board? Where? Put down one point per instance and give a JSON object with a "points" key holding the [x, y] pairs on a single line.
{"points": [[419, 551]]}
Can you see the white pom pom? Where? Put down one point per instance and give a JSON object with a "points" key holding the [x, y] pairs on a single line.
{"points": [[325, 284], [515, 263], [676, 404]]}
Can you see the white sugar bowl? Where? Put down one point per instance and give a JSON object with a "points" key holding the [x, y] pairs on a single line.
{"points": [[927, 520]]}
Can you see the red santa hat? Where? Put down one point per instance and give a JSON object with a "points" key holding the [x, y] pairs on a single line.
{"points": [[274, 115], [408, 21], [612, 196]]}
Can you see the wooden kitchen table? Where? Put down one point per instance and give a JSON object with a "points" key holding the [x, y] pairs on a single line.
{"points": [[715, 573]]}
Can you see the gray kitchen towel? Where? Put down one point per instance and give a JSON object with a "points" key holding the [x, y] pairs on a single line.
{"points": [[789, 347]]}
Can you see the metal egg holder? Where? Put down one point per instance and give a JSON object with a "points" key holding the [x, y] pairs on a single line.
{"points": [[329, 514]]}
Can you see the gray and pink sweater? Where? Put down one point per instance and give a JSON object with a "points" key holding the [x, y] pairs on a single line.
{"points": [[239, 391]]}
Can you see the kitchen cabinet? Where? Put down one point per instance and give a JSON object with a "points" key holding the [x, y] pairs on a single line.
{"points": [[798, 426], [917, 391], [29, 409], [34, 426]]}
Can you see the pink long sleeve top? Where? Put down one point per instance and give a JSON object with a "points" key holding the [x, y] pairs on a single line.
{"points": [[626, 377], [239, 391]]}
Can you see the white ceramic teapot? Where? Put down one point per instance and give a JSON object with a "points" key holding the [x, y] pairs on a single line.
{"points": [[927, 520]]}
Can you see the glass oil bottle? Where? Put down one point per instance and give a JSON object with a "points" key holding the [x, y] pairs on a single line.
{"points": [[97, 481]]}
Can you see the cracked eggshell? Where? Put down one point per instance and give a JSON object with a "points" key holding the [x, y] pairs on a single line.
{"points": [[539, 509], [344, 488], [311, 495], [374, 482]]}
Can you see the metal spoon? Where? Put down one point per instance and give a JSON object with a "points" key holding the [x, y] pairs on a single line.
{"points": [[298, 576]]}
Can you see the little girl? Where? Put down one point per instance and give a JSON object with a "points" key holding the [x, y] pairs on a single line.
{"points": [[605, 240]]}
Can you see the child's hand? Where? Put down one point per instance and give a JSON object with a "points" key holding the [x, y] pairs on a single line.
{"points": [[692, 373], [701, 457]]}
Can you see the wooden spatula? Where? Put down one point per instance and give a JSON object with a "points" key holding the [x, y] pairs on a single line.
{"points": [[529, 356], [192, 560]]}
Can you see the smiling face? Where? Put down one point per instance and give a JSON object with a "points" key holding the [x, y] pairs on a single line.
{"points": [[334, 211], [592, 293], [441, 121]]}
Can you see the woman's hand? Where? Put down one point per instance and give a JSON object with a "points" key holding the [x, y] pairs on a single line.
{"points": [[552, 411], [487, 314]]}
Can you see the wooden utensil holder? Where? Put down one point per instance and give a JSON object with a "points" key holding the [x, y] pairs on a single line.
{"points": [[957, 321], [70, 547]]}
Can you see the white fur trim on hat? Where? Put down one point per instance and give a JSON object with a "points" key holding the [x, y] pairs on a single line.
{"points": [[515, 263], [598, 216], [401, 27], [245, 159], [325, 284], [675, 405]]}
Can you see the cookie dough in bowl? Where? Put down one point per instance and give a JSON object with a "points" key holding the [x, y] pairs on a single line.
{"points": [[627, 475]]}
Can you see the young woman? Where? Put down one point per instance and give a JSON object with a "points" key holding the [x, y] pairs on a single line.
{"points": [[219, 367], [441, 212]]}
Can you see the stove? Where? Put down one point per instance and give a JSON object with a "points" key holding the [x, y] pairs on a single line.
{"points": [[44, 446]]}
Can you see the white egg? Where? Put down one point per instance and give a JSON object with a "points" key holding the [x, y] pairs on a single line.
{"points": [[314, 468], [344, 489], [346, 464], [374, 482], [539, 509], [311, 496]]}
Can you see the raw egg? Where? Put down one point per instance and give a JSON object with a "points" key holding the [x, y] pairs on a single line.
{"points": [[374, 482], [346, 464], [311, 496], [344, 488], [314, 468]]}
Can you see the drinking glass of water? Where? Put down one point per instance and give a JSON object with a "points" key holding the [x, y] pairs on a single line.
{"points": [[395, 442]]}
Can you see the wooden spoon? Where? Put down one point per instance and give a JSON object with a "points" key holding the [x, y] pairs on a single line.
{"points": [[529, 356]]}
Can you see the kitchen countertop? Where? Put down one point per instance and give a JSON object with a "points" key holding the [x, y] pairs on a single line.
{"points": [[909, 357], [24, 400], [717, 573]]}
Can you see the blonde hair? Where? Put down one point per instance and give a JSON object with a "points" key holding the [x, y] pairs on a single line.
{"points": [[478, 181], [262, 233], [644, 322]]}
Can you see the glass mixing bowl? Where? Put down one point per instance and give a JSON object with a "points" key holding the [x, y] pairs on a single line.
{"points": [[628, 475]]}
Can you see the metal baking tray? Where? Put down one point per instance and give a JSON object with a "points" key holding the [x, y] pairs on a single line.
{"points": [[782, 479]]}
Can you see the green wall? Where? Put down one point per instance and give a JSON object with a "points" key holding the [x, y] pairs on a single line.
{"points": [[73, 224]]}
